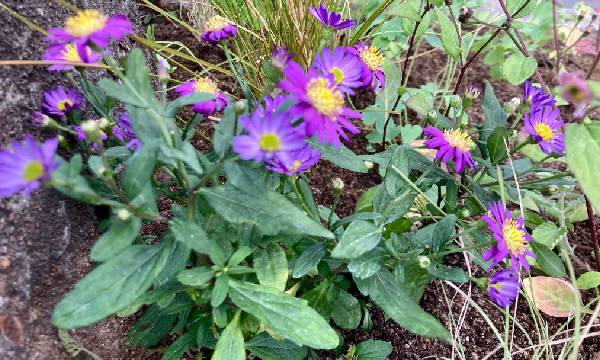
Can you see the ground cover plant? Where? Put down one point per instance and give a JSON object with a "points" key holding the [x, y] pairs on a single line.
{"points": [[246, 262]]}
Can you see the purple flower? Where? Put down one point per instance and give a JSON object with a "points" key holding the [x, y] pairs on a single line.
{"points": [[347, 70], [294, 162], [68, 53], [536, 96], [503, 287], [280, 57], [545, 126], [511, 238], [26, 166], [454, 144], [575, 91], [124, 131], [217, 29], [320, 103], [373, 59], [331, 19], [268, 135], [204, 85], [272, 104], [61, 101], [91, 26], [39, 119]]}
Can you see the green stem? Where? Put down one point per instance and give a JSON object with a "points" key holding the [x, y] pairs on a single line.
{"points": [[365, 26]]}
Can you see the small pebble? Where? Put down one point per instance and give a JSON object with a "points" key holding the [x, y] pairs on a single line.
{"points": [[4, 262]]}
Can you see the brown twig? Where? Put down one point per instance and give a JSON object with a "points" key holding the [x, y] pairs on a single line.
{"points": [[592, 229]]}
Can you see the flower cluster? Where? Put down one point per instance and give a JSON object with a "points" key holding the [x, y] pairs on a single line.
{"points": [[86, 30], [543, 121], [511, 243]]}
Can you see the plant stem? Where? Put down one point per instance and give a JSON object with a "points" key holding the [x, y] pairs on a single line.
{"points": [[592, 229], [370, 20], [555, 31]]}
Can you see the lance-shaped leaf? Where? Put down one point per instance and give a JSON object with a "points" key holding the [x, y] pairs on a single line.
{"points": [[360, 237]]}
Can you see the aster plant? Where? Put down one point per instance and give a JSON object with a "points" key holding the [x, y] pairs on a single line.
{"points": [[248, 259]]}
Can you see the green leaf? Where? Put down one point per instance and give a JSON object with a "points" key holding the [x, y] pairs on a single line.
{"points": [[111, 286], [547, 234], [342, 157], [582, 148], [308, 260], [346, 312], [230, 345], [385, 292], [373, 350], [287, 316], [493, 113], [419, 103], [186, 153], [368, 264], [410, 133], [449, 34], [443, 272], [400, 161], [518, 68], [119, 236], [219, 291], [239, 255], [196, 276], [175, 105], [496, 145], [117, 91], [588, 280], [549, 262], [191, 234], [271, 266], [267, 348], [182, 344], [140, 168], [67, 180], [514, 5], [360, 237], [272, 213]]}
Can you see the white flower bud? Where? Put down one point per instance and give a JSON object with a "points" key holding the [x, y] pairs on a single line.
{"points": [[424, 261], [123, 214]]}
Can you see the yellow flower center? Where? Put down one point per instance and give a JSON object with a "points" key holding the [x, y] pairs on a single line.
{"points": [[544, 131], [270, 142], [62, 106], [513, 236], [328, 101], [215, 23], [205, 85], [497, 286], [458, 139], [297, 164], [33, 170], [70, 53], [85, 23], [373, 57], [338, 75]]}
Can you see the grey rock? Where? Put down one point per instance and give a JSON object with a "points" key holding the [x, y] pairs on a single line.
{"points": [[44, 239]]}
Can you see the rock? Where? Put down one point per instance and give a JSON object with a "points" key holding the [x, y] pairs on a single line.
{"points": [[44, 239]]}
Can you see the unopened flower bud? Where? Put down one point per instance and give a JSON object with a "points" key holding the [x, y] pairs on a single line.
{"points": [[162, 67], [41, 120], [62, 142], [240, 106], [455, 101], [472, 92], [280, 58], [432, 117], [511, 106], [338, 186], [369, 165], [103, 123], [464, 213], [423, 261], [93, 132], [123, 214]]}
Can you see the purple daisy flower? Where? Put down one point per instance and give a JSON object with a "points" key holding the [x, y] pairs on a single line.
{"points": [[575, 90], [320, 103], [347, 70], [294, 162], [545, 127], [511, 238], [503, 287], [91, 26], [373, 59], [280, 57], [453, 144], [536, 96], [204, 85], [330, 19], [272, 104], [218, 28], [268, 135], [124, 131], [61, 101], [68, 53], [26, 166]]}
